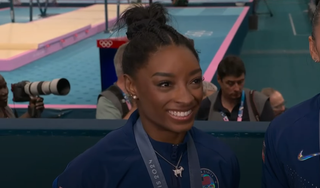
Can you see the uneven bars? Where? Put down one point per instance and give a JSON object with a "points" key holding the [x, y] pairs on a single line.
{"points": [[12, 11], [118, 9], [106, 15], [31, 10]]}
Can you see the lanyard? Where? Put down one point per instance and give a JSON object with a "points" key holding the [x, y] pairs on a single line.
{"points": [[240, 112], [153, 166]]}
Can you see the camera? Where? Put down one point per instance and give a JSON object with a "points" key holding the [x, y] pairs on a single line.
{"points": [[22, 91]]}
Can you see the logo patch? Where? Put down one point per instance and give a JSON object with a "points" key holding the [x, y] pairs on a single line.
{"points": [[209, 179], [306, 157]]}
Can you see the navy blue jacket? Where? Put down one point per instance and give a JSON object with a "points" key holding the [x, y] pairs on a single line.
{"points": [[115, 162], [293, 132]]}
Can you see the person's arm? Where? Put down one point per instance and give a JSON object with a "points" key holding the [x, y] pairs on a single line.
{"points": [[106, 109], [267, 112], [273, 175], [36, 103], [25, 115]]}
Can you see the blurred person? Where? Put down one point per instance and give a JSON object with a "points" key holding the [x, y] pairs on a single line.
{"points": [[291, 149], [208, 89], [55, 2], [16, 2], [158, 146], [114, 102], [276, 100], [6, 111], [233, 102]]}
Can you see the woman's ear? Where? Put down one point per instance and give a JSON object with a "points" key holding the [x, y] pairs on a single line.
{"points": [[130, 86], [313, 49]]}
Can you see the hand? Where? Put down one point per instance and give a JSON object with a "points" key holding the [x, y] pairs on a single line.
{"points": [[38, 103]]}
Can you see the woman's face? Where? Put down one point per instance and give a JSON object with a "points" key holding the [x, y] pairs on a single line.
{"points": [[169, 89], [3, 92]]}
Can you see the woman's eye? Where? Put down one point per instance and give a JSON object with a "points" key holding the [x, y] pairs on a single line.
{"points": [[197, 81], [164, 84]]}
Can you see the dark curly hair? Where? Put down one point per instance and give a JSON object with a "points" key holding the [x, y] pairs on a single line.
{"points": [[147, 31], [231, 66]]}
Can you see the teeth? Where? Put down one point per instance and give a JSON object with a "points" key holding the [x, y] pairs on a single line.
{"points": [[179, 113]]}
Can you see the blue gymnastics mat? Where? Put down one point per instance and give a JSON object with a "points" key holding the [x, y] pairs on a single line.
{"points": [[213, 30]]}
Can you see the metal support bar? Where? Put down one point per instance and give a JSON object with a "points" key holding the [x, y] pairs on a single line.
{"points": [[106, 16], [12, 12], [31, 10], [118, 9]]}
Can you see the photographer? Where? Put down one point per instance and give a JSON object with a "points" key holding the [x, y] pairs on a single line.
{"points": [[5, 110]]}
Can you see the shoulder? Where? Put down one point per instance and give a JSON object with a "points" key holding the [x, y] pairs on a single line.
{"points": [[257, 95], [112, 90], [111, 93], [205, 106], [104, 101], [113, 146], [207, 143], [212, 98], [107, 110], [204, 109], [10, 112], [295, 119], [90, 169]]}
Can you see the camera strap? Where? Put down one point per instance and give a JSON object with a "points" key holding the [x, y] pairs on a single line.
{"points": [[153, 166]]}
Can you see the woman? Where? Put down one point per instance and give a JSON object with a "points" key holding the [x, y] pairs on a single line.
{"points": [[158, 146], [291, 150]]}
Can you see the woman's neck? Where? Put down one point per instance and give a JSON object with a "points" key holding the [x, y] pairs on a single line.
{"points": [[160, 134]]}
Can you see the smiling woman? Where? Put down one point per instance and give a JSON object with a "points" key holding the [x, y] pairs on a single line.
{"points": [[158, 146]]}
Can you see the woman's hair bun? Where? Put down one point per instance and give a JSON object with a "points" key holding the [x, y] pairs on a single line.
{"points": [[141, 18]]}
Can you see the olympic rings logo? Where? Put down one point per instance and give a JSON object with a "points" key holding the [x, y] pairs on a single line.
{"points": [[106, 43]]}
